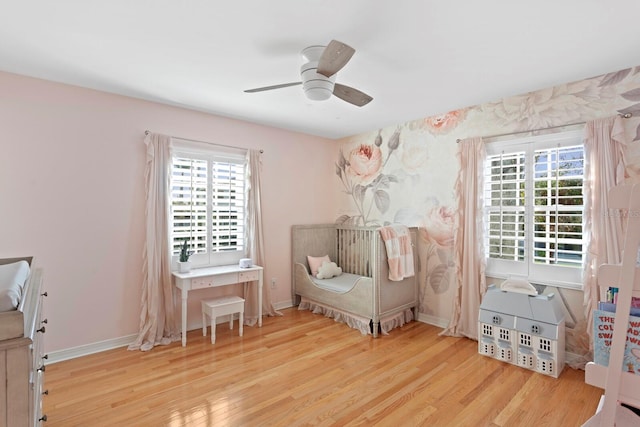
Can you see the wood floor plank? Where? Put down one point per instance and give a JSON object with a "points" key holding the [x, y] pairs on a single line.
{"points": [[305, 369]]}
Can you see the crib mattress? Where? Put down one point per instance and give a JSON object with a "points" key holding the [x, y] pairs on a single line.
{"points": [[12, 279], [339, 284]]}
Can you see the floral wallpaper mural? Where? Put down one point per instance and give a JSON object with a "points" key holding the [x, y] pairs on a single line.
{"points": [[406, 174], [361, 173]]}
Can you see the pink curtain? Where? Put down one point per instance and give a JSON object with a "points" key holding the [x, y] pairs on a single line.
{"points": [[604, 168], [255, 241], [469, 242], [158, 324]]}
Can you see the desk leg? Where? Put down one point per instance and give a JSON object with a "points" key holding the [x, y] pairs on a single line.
{"points": [[184, 317], [260, 300]]}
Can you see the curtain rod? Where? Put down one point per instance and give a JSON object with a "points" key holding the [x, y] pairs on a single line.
{"points": [[624, 116], [147, 132]]}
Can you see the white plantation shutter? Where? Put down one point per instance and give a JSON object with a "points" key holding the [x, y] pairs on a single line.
{"points": [[558, 206], [208, 200], [534, 208], [189, 204], [227, 206], [504, 188]]}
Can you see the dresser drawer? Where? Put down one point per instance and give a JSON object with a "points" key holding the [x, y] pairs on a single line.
{"points": [[248, 276], [216, 280]]}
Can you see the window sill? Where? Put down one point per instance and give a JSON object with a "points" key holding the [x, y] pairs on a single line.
{"points": [[558, 284]]}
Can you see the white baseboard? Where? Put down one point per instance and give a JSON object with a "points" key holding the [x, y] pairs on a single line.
{"points": [[570, 355], [433, 320], [283, 304], [87, 349], [84, 350]]}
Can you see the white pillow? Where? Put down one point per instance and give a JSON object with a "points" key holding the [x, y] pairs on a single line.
{"points": [[12, 279], [328, 270], [315, 262]]}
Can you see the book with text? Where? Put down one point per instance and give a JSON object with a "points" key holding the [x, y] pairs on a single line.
{"points": [[603, 322]]}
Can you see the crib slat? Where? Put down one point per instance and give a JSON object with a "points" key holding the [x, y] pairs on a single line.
{"points": [[355, 249], [358, 252]]}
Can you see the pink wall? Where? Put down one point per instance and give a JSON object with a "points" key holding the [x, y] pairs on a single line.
{"points": [[72, 194]]}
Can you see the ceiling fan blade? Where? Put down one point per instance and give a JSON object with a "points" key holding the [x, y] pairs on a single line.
{"points": [[351, 95], [260, 89], [334, 57]]}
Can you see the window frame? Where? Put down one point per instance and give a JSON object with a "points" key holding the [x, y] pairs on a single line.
{"points": [[556, 275], [209, 153]]}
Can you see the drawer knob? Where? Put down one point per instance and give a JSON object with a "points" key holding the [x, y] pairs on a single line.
{"points": [[45, 294], [46, 392], [45, 321], [43, 330], [46, 356], [43, 418], [42, 368]]}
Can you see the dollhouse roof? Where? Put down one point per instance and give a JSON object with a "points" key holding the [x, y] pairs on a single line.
{"points": [[540, 308]]}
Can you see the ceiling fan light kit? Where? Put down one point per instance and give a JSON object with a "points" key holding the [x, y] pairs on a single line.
{"points": [[318, 75], [316, 86]]}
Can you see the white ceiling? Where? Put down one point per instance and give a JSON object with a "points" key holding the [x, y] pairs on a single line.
{"points": [[415, 57]]}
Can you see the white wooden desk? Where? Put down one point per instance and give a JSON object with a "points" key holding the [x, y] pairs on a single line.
{"points": [[211, 277]]}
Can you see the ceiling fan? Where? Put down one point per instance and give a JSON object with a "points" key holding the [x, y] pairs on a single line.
{"points": [[318, 74]]}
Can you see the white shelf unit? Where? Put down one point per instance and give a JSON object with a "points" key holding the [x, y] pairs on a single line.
{"points": [[619, 387]]}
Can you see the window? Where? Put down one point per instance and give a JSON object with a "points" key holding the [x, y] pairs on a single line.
{"points": [[208, 200], [533, 205]]}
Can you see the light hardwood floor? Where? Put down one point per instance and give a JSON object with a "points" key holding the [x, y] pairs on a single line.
{"points": [[305, 369]]}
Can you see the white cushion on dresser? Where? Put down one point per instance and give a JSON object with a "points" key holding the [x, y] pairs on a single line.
{"points": [[12, 279]]}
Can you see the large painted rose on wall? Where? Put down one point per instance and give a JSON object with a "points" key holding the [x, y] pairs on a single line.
{"points": [[437, 228], [444, 122], [364, 163], [414, 155], [438, 225], [364, 179]]}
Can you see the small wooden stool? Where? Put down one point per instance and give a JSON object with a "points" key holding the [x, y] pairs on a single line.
{"points": [[222, 306]]}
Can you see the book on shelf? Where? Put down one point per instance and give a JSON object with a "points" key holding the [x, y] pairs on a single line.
{"points": [[611, 307], [612, 296], [603, 321]]}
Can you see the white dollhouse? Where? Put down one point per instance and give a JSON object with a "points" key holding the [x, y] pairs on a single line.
{"points": [[522, 328]]}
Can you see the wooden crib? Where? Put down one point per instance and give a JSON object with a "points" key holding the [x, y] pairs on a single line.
{"points": [[374, 302]]}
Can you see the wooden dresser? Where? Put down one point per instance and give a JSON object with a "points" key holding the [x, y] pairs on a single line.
{"points": [[21, 355]]}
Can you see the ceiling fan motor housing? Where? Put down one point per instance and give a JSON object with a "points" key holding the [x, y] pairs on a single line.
{"points": [[320, 62], [316, 86]]}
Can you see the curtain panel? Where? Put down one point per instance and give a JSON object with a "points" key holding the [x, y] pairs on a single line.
{"points": [[158, 324], [255, 240], [469, 241], [605, 167]]}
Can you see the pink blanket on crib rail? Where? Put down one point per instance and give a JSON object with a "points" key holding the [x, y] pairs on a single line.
{"points": [[397, 241]]}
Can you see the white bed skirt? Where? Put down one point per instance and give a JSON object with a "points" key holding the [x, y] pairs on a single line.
{"points": [[387, 323]]}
